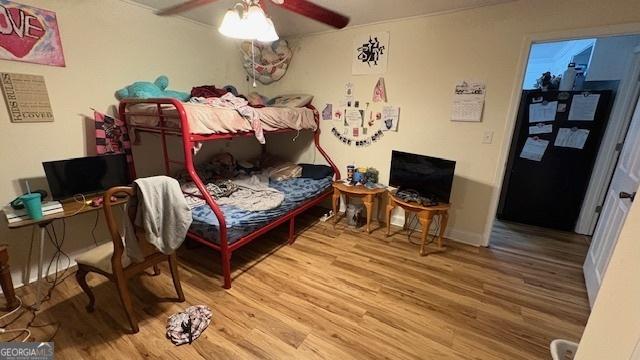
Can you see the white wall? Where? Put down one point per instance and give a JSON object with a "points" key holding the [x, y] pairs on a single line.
{"points": [[107, 44], [613, 329], [428, 55]]}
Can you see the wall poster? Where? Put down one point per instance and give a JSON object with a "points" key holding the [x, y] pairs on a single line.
{"points": [[26, 97], [29, 34], [370, 53]]}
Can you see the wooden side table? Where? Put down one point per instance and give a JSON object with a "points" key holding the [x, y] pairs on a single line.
{"points": [[368, 197], [425, 216]]}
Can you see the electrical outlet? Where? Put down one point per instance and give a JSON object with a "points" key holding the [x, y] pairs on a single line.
{"points": [[487, 137]]}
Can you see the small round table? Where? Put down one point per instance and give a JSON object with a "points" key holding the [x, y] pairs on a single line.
{"points": [[425, 216], [368, 196]]}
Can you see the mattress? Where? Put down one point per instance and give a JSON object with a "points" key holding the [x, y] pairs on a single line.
{"points": [[205, 119], [242, 222]]}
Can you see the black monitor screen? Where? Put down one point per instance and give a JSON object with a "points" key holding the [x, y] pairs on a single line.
{"points": [[431, 177], [86, 175]]}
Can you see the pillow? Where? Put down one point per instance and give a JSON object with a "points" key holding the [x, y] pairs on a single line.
{"points": [[293, 101], [284, 171], [316, 172], [256, 99]]}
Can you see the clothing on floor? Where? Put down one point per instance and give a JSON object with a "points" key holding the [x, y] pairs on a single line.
{"points": [[230, 101], [162, 212], [185, 327]]}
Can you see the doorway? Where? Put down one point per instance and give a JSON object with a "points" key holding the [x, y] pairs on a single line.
{"points": [[563, 152]]}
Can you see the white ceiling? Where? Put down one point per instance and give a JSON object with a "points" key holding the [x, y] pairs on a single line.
{"points": [[360, 11]]}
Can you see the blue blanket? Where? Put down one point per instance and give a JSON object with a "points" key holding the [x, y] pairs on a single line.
{"points": [[241, 222]]}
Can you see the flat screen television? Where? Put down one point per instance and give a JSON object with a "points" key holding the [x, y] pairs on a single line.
{"points": [[431, 177], [86, 175]]}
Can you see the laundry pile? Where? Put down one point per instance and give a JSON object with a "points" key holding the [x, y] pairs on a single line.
{"points": [[185, 327]]}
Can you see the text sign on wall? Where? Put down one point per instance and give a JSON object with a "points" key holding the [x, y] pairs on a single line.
{"points": [[26, 97]]}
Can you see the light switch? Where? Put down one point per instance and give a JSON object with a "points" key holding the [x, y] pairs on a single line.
{"points": [[487, 137]]}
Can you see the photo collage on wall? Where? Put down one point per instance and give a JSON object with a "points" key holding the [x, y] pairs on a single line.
{"points": [[362, 124]]}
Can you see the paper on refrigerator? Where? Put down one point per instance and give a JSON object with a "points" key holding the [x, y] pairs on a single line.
{"points": [[544, 111], [540, 128], [571, 138], [534, 149], [583, 107]]}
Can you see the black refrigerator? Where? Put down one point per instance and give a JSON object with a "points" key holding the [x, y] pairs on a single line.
{"points": [[546, 187]]}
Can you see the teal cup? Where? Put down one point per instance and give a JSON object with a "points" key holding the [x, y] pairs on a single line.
{"points": [[33, 205]]}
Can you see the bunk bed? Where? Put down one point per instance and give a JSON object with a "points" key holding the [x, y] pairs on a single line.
{"points": [[171, 117]]}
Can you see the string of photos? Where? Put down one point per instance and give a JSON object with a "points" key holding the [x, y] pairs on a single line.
{"points": [[358, 143]]}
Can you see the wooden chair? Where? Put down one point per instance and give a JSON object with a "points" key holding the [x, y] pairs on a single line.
{"points": [[106, 259]]}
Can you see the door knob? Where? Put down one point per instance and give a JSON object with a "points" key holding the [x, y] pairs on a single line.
{"points": [[626, 195]]}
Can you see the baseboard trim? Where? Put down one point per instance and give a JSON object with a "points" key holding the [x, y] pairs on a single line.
{"points": [[461, 236]]}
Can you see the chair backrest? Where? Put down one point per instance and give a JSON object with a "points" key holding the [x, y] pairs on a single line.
{"points": [[112, 224]]}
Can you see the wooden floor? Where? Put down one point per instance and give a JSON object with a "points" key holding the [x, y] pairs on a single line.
{"points": [[337, 294], [559, 247]]}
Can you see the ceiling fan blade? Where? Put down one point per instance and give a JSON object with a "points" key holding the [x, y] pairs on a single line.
{"points": [[316, 12], [185, 6]]}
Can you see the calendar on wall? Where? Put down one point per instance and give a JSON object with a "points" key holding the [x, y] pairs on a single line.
{"points": [[468, 101]]}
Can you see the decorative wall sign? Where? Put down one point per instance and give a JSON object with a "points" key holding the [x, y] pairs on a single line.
{"points": [[370, 53], [27, 98], [29, 34]]}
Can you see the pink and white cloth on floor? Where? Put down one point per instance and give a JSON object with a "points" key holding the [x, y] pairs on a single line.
{"points": [[185, 327]]}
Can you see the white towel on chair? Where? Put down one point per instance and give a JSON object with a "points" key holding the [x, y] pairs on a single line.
{"points": [[162, 212]]}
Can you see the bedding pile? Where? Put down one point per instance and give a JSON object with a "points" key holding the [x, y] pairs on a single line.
{"points": [[251, 193], [271, 189], [230, 101]]}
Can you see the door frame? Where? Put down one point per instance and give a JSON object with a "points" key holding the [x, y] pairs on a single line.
{"points": [[623, 107], [514, 103]]}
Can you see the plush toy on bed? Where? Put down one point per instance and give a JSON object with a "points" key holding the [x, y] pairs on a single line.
{"points": [[148, 90]]}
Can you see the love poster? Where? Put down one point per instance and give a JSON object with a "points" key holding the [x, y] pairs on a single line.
{"points": [[29, 34]]}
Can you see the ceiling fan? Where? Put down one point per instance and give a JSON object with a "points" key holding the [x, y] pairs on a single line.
{"points": [[302, 7]]}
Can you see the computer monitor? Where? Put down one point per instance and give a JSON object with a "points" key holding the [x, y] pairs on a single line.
{"points": [[86, 175]]}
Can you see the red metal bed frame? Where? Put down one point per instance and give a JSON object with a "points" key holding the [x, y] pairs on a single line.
{"points": [[188, 141]]}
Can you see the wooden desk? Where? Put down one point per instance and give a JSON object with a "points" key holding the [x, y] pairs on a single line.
{"points": [[425, 216], [70, 209], [367, 194]]}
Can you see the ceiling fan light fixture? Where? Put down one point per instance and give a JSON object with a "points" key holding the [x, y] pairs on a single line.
{"points": [[270, 34], [231, 25], [255, 21], [248, 23]]}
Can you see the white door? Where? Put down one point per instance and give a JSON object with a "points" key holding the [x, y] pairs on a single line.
{"points": [[624, 185]]}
